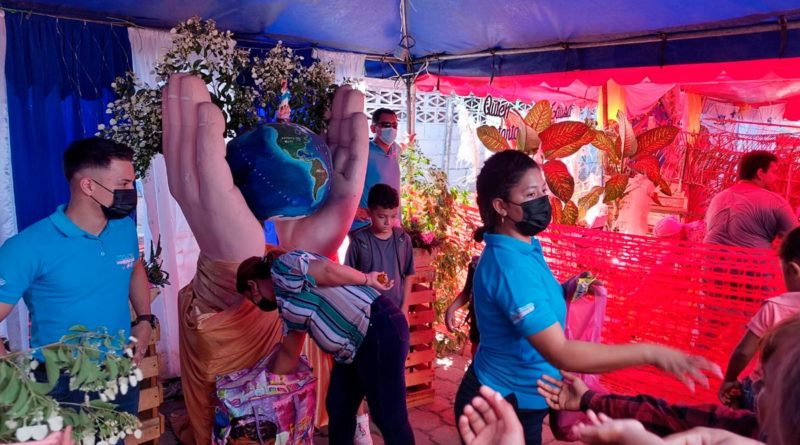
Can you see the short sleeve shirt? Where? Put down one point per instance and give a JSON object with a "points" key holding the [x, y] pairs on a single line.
{"points": [[382, 168], [748, 216], [395, 256], [68, 277], [772, 312], [515, 296], [337, 318]]}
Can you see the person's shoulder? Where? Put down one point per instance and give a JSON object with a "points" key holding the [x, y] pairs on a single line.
{"points": [[360, 235], [401, 235]]}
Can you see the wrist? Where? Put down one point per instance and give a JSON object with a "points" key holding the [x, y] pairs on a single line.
{"points": [[366, 279]]}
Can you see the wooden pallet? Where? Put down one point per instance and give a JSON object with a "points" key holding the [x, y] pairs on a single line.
{"points": [[419, 364], [151, 394]]}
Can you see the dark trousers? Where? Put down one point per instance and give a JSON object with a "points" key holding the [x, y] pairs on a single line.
{"points": [[128, 403], [531, 419], [377, 372]]}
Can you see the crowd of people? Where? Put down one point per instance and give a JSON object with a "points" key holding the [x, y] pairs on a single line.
{"points": [[81, 265]]}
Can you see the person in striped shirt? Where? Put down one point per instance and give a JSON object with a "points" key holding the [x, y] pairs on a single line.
{"points": [[340, 309]]}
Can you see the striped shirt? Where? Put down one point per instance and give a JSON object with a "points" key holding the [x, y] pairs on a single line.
{"points": [[337, 318]]}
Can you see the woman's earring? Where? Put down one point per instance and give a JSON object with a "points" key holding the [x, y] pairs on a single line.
{"points": [[502, 219]]}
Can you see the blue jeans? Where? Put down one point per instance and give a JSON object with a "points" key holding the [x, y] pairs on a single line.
{"points": [[531, 419], [128, 403], [377, 372]]}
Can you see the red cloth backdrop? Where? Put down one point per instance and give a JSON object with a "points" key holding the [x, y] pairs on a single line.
{"points": [[692, 296]]}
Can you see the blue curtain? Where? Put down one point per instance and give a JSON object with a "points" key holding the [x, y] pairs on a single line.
{"points": [[59, 74]]}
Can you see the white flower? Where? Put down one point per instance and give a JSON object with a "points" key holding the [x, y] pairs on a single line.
{"points": [[138, 433], [102, 442], [11, 424], [128, 352], [123, 389], [133, 380], [113, 84], [55, 422], [39, 432], [34, 364], [23, 433], [138, 373], [87, 440], [133, 339], [103, 397], [113, 122], [113, 440], [101, 127]]}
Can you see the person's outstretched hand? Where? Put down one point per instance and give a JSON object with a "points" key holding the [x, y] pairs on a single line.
{"points": [[605, 430], [708, 436], [348, 138], [199, 177], [490, 419], [562, 395], [689, 369]]}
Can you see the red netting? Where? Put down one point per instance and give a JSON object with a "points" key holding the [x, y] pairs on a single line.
{"points": [[713, 159], [692, 296]]}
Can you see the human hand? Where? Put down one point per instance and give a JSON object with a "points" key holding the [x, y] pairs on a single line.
{"points": [[490, 419], [379, 281], [450, 318], [708, 436], [729, 393], [605, 430], [199, 177], [142, 333], [562, 395], [689, 369]]}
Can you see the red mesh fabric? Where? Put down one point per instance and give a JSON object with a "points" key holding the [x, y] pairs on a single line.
{"points": [[692, 296], [713, 159]]}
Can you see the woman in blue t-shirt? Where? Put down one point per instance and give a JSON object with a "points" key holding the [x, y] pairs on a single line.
{"points": [[520, 306]]}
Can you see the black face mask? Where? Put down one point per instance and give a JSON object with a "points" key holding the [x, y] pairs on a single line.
{"points": [[266, 305], [536, 215], [123, 204]]}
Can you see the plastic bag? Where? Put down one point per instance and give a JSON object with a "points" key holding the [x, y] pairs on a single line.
{"points": [[255, 406]]}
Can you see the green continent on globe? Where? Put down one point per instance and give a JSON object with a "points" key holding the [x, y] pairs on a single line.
{"points": [[319, 174], [293, 143]]}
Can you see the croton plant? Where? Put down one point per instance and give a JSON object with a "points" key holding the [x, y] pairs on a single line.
{"points": [[626, 155]]}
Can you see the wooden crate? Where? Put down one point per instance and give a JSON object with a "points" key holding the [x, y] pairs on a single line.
{"points": [[151, 394], [419, 364]]}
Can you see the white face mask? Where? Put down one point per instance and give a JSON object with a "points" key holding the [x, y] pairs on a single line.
{"points": [[388, 135]]}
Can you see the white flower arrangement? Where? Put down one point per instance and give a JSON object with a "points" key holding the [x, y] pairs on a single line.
{"points": [[28, 413], [237, 85]]}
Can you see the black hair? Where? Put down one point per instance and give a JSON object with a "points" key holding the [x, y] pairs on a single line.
{"points": [[754, 161], [256, 268], [376, 115], [93, 152], [500, 173], [383, 195], [790, 247]]}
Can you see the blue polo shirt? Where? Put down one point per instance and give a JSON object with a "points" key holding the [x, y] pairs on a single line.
{"points": [[515, 296], [68, 276], [382, 168]]}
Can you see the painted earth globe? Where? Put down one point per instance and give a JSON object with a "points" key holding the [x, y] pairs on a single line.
{"points": [[283, 170]]}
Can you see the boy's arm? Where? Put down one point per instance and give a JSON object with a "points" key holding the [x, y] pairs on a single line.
{"points": [[740, 357], [407, 285], [289, 355]]}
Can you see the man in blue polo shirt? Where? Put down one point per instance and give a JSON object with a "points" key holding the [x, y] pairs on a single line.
{"points": [[81, 265], [383, 166]]}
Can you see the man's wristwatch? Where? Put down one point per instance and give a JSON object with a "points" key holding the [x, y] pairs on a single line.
{"points": [[150, 318]]}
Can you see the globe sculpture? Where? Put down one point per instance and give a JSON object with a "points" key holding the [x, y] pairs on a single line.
{"points": [[283, 170]]}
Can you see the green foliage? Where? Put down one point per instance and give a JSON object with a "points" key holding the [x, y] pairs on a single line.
{"points": [[201, 49], [26, 410], [429, 208]]}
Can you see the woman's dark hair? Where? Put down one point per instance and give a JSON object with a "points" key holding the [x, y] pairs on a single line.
{"points": [[256, 268], [500, 173], [790, 247], [754, 161]]}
